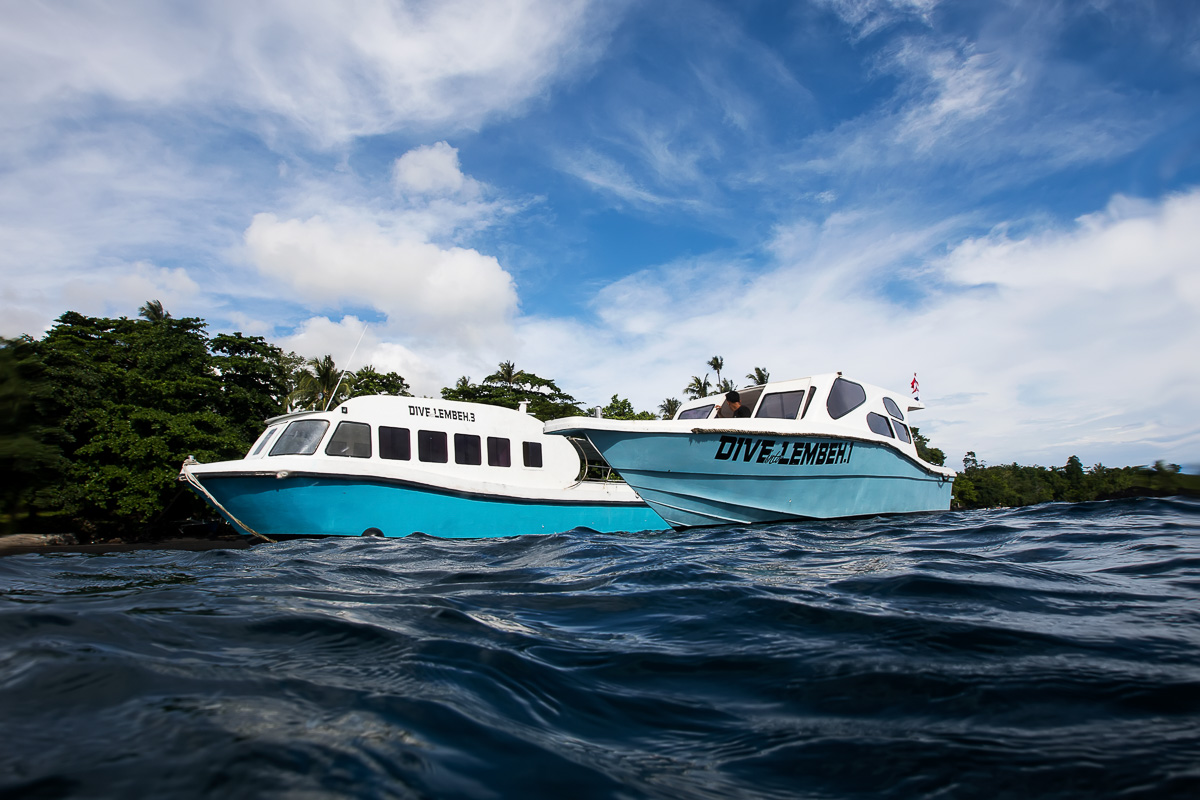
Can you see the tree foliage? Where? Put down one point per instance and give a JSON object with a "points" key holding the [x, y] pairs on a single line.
{"points": [[30, 449], [758, 376], [134, 398], [931, 454], [97, 416], [699, 387], [981, 486], [620, 408], [509, 387]]}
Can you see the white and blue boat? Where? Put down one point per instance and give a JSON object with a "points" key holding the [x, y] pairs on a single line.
{"points": [[812, 448], [391, 466]]}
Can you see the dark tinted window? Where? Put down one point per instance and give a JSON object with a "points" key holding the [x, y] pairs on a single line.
{"points": [[892, 408], [879, 424], [844, 397], [781, 405], [467, 449], [697, 413], [533, 453], [431, 446], [266, 438], [498, 455], [394, 443], [902, 432], [352, 439], [301, 438], [812, 390]]}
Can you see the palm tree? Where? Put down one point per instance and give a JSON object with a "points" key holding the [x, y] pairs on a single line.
{"points": [[463, 383], [669, 407], [716, 364], [698, 387], [153, 311], [507, 374], [758, 377], [319, 385], [726, 385]]}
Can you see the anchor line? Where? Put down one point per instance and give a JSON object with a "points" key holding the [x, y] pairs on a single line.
{"points": [[186, 475]]}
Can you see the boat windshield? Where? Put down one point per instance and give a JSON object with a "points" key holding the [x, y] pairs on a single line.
{"points": [[301, 438]]}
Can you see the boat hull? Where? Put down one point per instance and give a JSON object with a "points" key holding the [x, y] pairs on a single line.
{"points": [[700, 478], [325, 505]]}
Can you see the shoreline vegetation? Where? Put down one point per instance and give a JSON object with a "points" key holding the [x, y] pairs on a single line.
{"points": [[98, 414]]}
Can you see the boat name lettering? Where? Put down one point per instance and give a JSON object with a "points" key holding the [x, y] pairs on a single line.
{"points": [[441, 413], [765, 451]]}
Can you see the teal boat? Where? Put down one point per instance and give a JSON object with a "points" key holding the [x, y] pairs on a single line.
{"points": [[392, 466], [822, 447]]}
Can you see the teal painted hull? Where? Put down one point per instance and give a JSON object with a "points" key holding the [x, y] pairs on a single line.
{"points": [[324, 506], [718, 479]]}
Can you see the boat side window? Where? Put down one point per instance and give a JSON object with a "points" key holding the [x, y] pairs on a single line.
{"points": [[892, 408], [812, 390], [301, 438], [467, 449], [879, 424], [700, 412], [532, 451], [271, 431], [352, 439], [780, 405], [394, 443], [498, 452], [844, 397], [902, 432], [431, 446]]}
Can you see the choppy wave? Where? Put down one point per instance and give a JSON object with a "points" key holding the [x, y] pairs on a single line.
{"points": [[1052, 651]]}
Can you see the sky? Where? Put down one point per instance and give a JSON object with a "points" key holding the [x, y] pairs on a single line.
{"points": [[1002, 198]]}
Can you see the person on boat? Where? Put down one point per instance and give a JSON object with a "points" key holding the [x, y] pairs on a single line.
{"points": [[733, 406]]}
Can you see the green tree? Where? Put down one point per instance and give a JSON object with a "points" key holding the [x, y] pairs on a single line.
{"points": [[669, 408], [255, 381], [725, 386], [30, 454], [368, 381], [1074, 477], [153, 311], [699, 387], [506, 375], [320, 385], [932, 455], [716, 364], [509, 387], [620, 408], [758, 377], [135, 398]]}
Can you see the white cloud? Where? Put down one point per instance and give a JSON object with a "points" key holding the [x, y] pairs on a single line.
{"points": [[607, 175], [870, 16], [454, 294], [433, 170], [333, 71], [1083, 343]]}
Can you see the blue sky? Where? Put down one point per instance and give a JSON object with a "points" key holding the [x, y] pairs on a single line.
{"points": [[1002, 197]]}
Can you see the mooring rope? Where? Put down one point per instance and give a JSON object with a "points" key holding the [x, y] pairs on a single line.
{"points": [[186, 475]]}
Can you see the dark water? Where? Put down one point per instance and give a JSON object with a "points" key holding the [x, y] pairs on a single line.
{"points": [[1043, 652]]}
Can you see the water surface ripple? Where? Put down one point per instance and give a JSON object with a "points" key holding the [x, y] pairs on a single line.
{"points": [[1044, 652]]}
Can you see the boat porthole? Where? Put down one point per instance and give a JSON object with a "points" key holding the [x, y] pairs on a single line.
{"points": [[372, 532]]}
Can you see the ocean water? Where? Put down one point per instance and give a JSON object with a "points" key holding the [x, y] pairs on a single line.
{"points": [[1043, 652]]}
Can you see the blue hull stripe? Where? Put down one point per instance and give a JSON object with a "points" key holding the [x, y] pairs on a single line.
{"points": [[697, 479], [323, 505]]}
